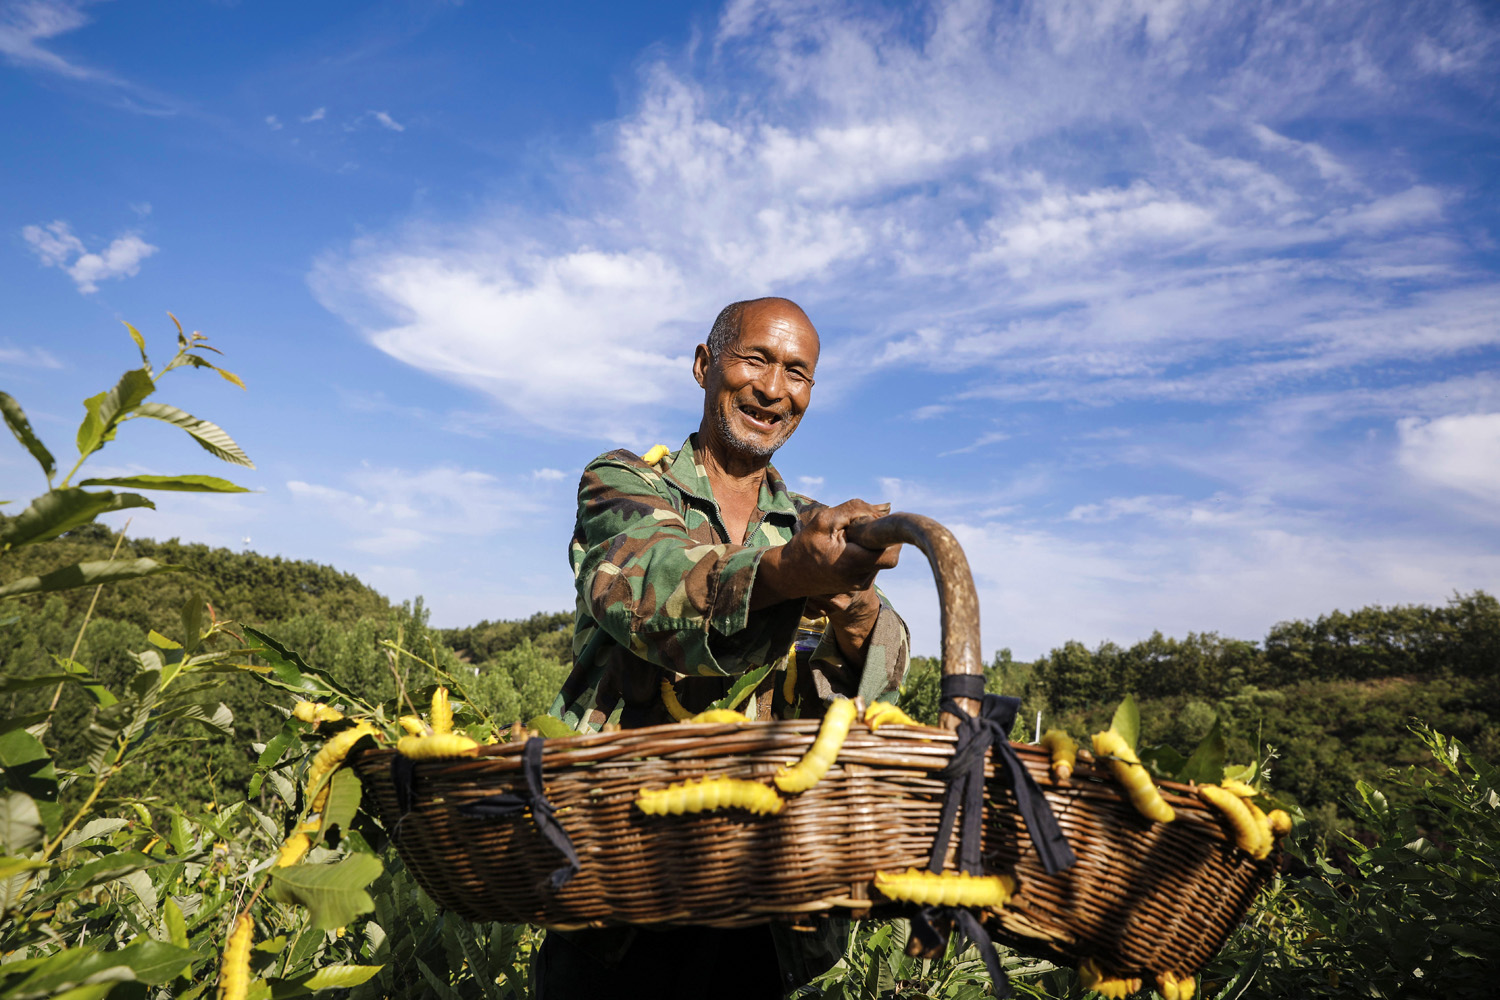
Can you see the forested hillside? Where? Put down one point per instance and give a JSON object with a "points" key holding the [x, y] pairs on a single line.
{"points": [[1330, 695]]}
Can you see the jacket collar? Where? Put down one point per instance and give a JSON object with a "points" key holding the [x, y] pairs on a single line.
{"points": [[687, 474]]}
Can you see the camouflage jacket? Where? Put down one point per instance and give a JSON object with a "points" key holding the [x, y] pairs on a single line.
{"points": [[664, 596]]}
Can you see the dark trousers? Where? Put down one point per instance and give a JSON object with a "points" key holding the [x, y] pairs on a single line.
{"points": [[678, 963]]}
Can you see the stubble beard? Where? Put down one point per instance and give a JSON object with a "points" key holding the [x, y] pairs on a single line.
{"points": [[752, 447]]}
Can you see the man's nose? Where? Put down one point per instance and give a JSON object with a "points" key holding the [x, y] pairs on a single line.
{"points": [[771, 384]]}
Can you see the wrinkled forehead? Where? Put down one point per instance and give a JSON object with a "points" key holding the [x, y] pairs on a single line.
{"points": [[779, 329]]}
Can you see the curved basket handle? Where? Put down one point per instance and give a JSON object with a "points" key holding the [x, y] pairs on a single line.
{"points": [[958, 604]]}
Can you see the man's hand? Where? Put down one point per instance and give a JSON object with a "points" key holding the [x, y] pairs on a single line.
{"points": [[835, 574]]}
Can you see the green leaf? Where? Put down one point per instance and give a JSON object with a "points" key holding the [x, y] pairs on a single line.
{"points": [[20, 823], [333, 894], [175, 922], [550, 727], [211, 437], [339, 976], [182, 484], [140, 343], [294, 671], [192, 621], [57, 511], [1163, 760], [106, 410], [106, 869], [86, 574], [1127, 721], [343, 801], [78, 674], [162, 642], [180, 835], [15, 866], [1206, 764], [154, 962], [28, 768], [741, 688], [15, 419]]}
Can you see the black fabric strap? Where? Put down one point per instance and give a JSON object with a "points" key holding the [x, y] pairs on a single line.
{"points": [[962, 686], [511, 804], [977, 737], [924, 927]]}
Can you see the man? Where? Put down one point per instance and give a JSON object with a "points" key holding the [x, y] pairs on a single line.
{"points": [[691, 570]]}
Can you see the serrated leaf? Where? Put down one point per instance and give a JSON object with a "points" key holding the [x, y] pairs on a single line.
{"points": [[742, 687], [180, 484], [86, 574], [105, 411], [191, 617], [15, 419], [294, 671], [162, 642], [154, 962], [57, 511], [210, 436], [333, 894], [1205, 765], [79, 674], [1127, 721], [106, 869]]}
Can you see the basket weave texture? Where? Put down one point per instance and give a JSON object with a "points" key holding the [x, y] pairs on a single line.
{"points": [[1142, 898]]}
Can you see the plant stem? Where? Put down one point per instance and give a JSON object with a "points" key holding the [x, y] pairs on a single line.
{"points": [[78, 640]]}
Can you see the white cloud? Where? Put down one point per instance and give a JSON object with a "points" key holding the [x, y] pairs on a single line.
{"points": [[548, 475], [1454, 452], [810, 482], [274, 122], [316, 115], [25, 25], [56, 246], [385, 120], [28, 357]]}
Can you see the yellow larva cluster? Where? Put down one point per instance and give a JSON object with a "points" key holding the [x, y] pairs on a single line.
{"points": [[1172, 988], [946, 889], [315, 712], [234, 971], [882, 713], [443, 741], [1252, 828], [1064, 750], [330, 757], [1092, 977], [1144, 794], [808, 771], [707, 795]]}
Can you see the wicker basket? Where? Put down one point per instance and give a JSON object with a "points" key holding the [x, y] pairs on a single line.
{"points": [[1142, 898]]}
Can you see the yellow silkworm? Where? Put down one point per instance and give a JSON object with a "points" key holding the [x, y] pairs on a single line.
{"points": [[808, 771], [437, 746], [292, 850], [655, 454], [1172, 988], [707, 795], [718, 715], [946, 889], [1247, 832], [315, 712], [1239, 788], [789, 686], [330, 757], [882, 713], [1092, 977], [413, 725], [1266, 836], [441, 713], [1064, 750], [1144, 794], [1281, 822], [674, 707], [234, 971]]}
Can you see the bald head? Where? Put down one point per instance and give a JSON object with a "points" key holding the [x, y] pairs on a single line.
{"points": [[732, 318]]}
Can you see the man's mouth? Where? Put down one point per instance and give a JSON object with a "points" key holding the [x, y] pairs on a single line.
{"points": [[760, 418]]}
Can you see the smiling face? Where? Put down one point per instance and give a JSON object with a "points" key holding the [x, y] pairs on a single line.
{"points": [[755, 392]]}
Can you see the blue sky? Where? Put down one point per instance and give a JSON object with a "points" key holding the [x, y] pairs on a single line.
{"points": [[1183, 315]]}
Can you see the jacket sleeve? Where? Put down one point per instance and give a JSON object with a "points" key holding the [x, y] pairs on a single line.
{"points": [[882, 673], [668, 598]]}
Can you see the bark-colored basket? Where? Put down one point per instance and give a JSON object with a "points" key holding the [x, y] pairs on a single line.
{"points": [[1142, 898]]}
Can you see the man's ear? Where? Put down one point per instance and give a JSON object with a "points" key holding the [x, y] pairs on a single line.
{"points": [[701, 361]]}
